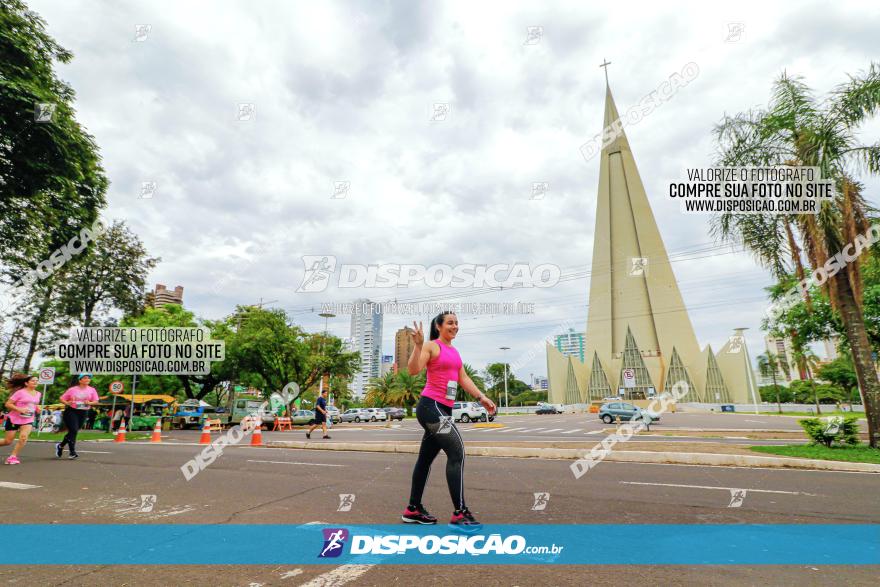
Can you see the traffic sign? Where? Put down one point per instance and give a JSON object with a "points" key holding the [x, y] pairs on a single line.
{"points": [[117, 387], [47, 376], [629, 377]]}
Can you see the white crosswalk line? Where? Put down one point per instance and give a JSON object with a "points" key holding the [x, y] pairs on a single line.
{"points": [[11, 485], [294, 462], [572, 431]]}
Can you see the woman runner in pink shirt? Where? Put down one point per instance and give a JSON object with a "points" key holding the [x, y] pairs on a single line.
{"points": [[22, 405], [78, 400], [434, 412]]}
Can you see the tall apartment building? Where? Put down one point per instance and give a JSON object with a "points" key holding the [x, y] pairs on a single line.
{"points": [[782, 348], [161, 295], [571, 344], [366, 339], [403, 348], [387, 365]]}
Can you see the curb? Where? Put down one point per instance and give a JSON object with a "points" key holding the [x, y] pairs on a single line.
{"points": [[670, 458]]}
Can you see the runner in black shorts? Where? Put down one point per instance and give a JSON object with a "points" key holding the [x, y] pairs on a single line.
{"points": [[320, 415]]}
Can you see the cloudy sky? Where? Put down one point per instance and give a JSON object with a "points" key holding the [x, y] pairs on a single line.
{"points": [[345, 92]]}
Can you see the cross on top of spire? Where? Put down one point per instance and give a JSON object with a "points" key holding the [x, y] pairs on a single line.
{"points": [[605, 64]]}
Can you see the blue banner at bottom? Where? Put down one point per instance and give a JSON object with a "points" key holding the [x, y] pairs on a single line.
{"points": [[599, 544]]}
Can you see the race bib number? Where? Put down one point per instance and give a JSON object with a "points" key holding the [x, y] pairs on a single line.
{"points": [[451, 390]]}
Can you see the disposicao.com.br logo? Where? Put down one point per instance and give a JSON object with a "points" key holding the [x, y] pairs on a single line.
{"points": [[319, 270], [411, 544]]}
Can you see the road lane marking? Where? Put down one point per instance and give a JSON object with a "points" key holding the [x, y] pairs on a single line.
{"points": [[552, 430], [292, 573], [723, 488], [11, 485], [511, 429], [572, 431], [338, 576], [295, 463], [96, 452]]}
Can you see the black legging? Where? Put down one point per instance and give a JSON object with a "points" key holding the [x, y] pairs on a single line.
{"points": [[440, 433], [73, 419]]}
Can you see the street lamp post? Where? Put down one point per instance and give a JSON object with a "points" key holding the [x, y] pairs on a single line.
{"points": [[325, 316], [506, 400]]}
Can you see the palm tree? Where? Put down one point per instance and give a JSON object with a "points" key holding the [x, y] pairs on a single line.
{"points": [[807, 363], [475, 377], [407, 389], [768, 364], [379, 390], [798, 130]]}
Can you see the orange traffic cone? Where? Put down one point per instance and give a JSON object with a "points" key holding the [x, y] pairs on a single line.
{"points": [[206, 434], [257, 438], [157, 431], [120, 433]]}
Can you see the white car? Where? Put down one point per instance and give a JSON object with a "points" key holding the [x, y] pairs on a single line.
{"points": [[377, 414], [468, 411]]}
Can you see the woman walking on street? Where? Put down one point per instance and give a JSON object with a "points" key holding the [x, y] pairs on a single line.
{"points": [[78, 400], [434, 412], [22, 406]]}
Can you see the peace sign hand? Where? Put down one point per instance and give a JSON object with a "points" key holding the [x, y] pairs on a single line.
{"points": [[416, 333]]}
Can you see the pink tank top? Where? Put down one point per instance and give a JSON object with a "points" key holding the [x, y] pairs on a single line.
{"points": [[441, 371]]}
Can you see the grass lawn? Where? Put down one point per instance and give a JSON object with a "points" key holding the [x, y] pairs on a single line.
{"points": [[808, 414], [87, 435], [861, 453]]}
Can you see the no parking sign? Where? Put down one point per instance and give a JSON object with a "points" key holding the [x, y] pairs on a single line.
{"points": [[629, 377], [46, 376]]}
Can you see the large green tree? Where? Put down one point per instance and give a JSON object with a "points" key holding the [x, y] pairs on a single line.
{"points": [[268, 351], [51, 180], [800, 130], [111, 274], [407, 389]]}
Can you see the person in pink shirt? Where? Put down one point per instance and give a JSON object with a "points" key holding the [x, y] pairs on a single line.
{"points": [[445, 374], [78, 400], [22, 405]]}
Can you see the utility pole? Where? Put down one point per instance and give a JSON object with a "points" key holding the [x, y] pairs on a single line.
{"points": [[506, 399], [325, 316]]}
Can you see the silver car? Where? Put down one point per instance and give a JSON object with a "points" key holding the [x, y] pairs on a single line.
{"points": [[355, 415]]}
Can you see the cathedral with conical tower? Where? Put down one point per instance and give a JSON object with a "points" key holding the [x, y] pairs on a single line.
{"points": [[639, 337]]}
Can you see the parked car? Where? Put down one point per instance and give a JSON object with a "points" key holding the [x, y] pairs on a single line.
{"points": [[363, 415], [190, 414], [333, 412], [377, 414], [303, 417], [394, 413], [353, 415], [467, 411], [608, 412]]}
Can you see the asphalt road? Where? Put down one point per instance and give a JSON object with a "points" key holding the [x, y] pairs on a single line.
{"points": [[263, 485], [557, 428]]}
